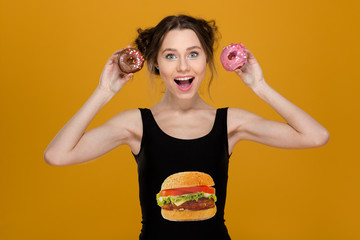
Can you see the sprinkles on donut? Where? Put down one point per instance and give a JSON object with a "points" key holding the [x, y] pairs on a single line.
{"points": [[130, 60], [233, 56]]}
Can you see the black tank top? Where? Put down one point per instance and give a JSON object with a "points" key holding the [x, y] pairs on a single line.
{"points": [[162, 155]]}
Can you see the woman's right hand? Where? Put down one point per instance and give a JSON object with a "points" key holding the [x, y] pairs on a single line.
{"points": [[112, 78]]}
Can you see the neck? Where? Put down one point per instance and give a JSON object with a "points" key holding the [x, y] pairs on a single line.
{"points": [[170, 101]]}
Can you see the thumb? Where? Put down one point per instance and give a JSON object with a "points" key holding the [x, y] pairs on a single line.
{"points": [[239, 72], [251, 57], [128, 76]]}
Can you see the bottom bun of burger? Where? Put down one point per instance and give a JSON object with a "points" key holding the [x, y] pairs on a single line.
{"points": [[188, 215]]}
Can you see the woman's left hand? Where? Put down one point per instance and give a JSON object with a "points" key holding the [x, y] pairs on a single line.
{"points": [[251, 72]]}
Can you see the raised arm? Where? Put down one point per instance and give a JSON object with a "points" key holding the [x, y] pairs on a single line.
{"points": [[72, 145], [299, 131]]}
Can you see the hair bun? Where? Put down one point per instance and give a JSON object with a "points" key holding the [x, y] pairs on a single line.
{"points": [[143, 40]]}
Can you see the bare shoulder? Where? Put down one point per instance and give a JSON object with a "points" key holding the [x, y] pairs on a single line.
{"points": [[238, 125], [130, 114], [238, 117], [127, 123]]}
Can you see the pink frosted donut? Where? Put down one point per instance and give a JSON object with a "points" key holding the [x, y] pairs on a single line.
{"points": [[233, 56]]}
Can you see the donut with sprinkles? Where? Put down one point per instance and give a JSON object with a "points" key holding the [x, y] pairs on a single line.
{"points": [[130, 60], [233, 56]]}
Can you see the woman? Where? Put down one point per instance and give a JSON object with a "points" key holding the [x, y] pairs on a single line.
{"points": [[181, 133]]}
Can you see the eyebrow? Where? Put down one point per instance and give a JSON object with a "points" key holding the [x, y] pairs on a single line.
{"points": [[174, 50]]}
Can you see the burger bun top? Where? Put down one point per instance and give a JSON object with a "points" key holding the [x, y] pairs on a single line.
{"points": [[187, 179]]}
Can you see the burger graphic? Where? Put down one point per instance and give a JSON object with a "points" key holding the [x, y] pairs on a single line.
{"points": [[187, 196]]}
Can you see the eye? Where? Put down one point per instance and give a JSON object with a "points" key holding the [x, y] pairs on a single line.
{"points": [[170, 56], [193, 54]]}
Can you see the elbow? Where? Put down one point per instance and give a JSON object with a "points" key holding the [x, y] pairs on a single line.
{"points": [[321, 139], [51, 159]]}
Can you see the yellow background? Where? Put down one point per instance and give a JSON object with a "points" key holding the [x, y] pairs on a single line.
{"points": [[52, 55]]}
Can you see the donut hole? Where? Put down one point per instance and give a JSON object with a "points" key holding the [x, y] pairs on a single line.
{"points": [[131, 60], [232, 55]]}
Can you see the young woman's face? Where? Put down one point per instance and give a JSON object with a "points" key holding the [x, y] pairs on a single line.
{"points": [[182, 63]]}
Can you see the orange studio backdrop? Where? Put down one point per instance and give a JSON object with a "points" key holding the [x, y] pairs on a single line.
{"points": [[52, 55]]}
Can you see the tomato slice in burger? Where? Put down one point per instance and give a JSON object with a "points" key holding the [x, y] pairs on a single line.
{"points": [[186, 190]]}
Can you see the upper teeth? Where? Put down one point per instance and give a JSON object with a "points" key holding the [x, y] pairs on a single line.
{"points": [[183, 79]]}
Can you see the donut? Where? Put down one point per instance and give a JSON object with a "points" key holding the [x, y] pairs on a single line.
{"points": [[130, 60], [233, 56]]}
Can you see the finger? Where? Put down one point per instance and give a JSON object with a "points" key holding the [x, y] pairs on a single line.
{"points": [[249, 54], [238, 71], [118, 51], [129, 76], [113, 59], [125, 76], [110, 60]]}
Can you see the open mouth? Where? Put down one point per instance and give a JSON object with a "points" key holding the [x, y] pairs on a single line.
{"points": [[185, 82]]}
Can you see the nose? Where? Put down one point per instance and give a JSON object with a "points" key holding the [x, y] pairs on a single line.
{"points": [[183, 65]]}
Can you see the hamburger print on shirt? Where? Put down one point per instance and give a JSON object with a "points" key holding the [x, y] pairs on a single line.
{"points": [[187, 196]]}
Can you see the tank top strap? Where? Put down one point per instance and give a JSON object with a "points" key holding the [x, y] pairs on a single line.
{"points": [[145, 115], [221, 119], [147, 121], [220, 128]]}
